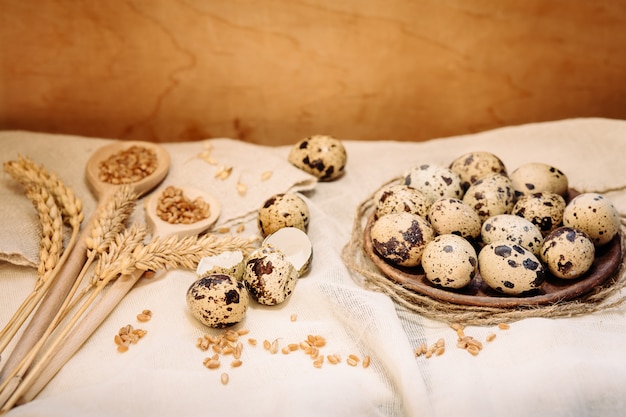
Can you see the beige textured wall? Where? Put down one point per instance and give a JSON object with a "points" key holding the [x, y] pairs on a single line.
{"points": [[275, 71]]}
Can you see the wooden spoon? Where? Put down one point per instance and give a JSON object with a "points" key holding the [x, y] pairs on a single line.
{"points": [[62, 285], [120, 287], [103, 189]]}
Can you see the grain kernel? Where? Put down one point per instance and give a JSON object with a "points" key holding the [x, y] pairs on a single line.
{"points": [[503, 326], [366, 362], [491, 337], [224, 378]]}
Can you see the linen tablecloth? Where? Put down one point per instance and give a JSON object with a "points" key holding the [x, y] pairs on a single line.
{"points": [[539, 366]]}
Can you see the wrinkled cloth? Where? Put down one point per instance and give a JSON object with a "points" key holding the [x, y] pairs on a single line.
{"points": [[548, 367]]}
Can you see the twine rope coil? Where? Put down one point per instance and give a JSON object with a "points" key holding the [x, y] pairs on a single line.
{"points": [[605, 297]]}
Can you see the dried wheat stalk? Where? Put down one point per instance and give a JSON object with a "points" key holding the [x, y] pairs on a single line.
{"points": [[109, 223], [126, 255], [49, 196]]}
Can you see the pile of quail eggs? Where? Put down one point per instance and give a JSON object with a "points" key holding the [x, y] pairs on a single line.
{"points": [[472, 216], [229, 281]]}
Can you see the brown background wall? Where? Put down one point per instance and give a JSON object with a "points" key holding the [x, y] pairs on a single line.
{"points": [[276, 71]]}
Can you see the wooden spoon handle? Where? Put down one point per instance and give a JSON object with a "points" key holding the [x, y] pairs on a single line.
{"points": [[50, 304], [83, 330]]}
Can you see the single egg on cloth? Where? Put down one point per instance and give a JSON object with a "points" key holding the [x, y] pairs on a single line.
{"points": [[434, 181], [509, 268], [544, 210], [269, 276], [323, 156], [537, 177], [595, 215], [400, 238], [512, 229], [568, 253], [490, 195], [228, 263], [472, 166], [453, 216], [449, 261], [283, 210], [400, 197], [218, 300]]}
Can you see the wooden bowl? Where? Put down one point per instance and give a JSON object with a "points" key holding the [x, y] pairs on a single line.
{"points": [[477, 293]]}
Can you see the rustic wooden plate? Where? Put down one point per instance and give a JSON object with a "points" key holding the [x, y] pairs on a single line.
{"points": [[477, 293]]}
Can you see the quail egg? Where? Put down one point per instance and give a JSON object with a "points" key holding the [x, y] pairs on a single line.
{"points": [[490, 195], [320, 155], [218, 300], [509, 268], [283, 210], [400, 238], [512, 229], [434, 181], [475, 165], [449, 261], [595, 215], [269, 276], [568, 253], [400, 197], [544, 210], [537, 177], [453, 216]]}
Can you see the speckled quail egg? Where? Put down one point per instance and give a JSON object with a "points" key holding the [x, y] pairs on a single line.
{"points": [[434, 181], [453, 216], [228, 263], [449, 261], [400, 238], [490, 195], [544, 210], [283, 210], [568, 253], [512, 229], [474, 165], [320, 155], [218, 300], [269, 276], [400, 197], [509, 268], [537, 177], [595, 215]]}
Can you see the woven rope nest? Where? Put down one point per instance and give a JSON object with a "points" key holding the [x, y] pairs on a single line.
{"points": [[606, 296]]}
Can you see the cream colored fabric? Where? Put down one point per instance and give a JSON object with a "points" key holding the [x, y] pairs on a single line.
{"points": [[193, 164], [558, 368]]}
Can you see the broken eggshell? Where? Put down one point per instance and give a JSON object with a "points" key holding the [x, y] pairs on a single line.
{"points": [[218, 300], [320, 155], [228, 263], [295, 245], [269, 276]]}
